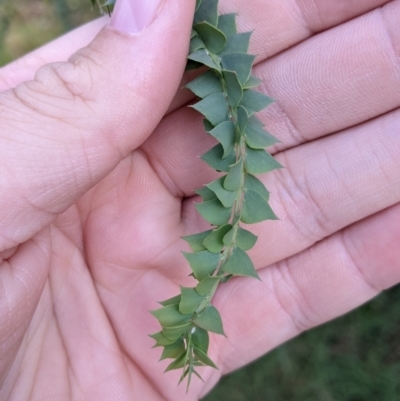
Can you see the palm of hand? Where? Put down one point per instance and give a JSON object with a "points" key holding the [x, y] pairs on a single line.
{"points": [[116, 252], [111, 256], [101, 287]]}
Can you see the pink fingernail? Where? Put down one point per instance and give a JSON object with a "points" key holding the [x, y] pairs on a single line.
{"points": [[132, 16]]}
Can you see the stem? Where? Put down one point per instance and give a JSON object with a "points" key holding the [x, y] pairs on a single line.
{"points": [[219, 246], [240, 150]]}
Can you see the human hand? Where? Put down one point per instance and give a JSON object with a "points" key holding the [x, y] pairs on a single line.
{"points": [[81, 281]]}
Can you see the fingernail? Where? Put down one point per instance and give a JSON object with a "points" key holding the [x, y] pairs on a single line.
{"points": [[132, 16]]}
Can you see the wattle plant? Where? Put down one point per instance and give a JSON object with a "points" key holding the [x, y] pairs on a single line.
{"points": [[228, 104]]}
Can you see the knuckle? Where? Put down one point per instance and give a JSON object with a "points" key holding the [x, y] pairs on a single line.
{"points": [[301, 206], [63, 80], [291, 298], [59, 91], [356, 256]]}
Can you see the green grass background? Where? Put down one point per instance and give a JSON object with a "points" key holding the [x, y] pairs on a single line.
{"points": [[354, 358]]}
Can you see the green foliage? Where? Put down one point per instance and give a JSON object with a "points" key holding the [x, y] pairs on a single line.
{"points": [[354, 358], [28, 24], [210, 320], [228, 103], [107, 5]]}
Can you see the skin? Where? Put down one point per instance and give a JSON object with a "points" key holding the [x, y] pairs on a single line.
{"points": [[92, 209]]}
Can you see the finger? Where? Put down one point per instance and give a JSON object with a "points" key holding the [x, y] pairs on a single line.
{"points": [[22, 278], [355, 175], [335, 80], [67, 129], [280, 25], [87, 332], [322, 14], [326, 185], [268, 40], [320, 284], [121, 294], [300, 18], [60, 49]]}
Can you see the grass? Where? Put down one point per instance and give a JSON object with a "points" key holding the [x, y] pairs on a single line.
{"points": [[27, 24], [355, 358]]}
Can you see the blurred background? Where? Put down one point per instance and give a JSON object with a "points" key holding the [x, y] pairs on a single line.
{"points": [[355, 358]]}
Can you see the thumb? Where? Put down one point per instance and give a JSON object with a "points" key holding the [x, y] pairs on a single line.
{"points": [[64, 131]]}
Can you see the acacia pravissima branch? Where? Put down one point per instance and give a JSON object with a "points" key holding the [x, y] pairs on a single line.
{"points": [[228, 104]]}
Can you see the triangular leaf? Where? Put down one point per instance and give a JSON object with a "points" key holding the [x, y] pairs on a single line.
{"points": [[210, 320], [173, 333], [169, 316], [178, 363], [197, 374], [207, 285], [258, 161], [239, 264], [205, 85], [238, 43], [255, 122], [171, 301], [214, 108], [196, 44], [234, 177], [206, 194], [239, 63], [257, 137], [200, 339], [201, 56], [186, 372], [227, 24], [253, 183], [196, 241], [242, 118], [203, 263], [233, 88], [214, 158], [225, 134], [252, 82], [254, 101], [214, 241], [207, 11], [161, 341], [174, 350], [243, 239], [203, 357], [214, 212], [230, 236], [256, 209], [190, 300], [227, 198], [213, 38]]}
